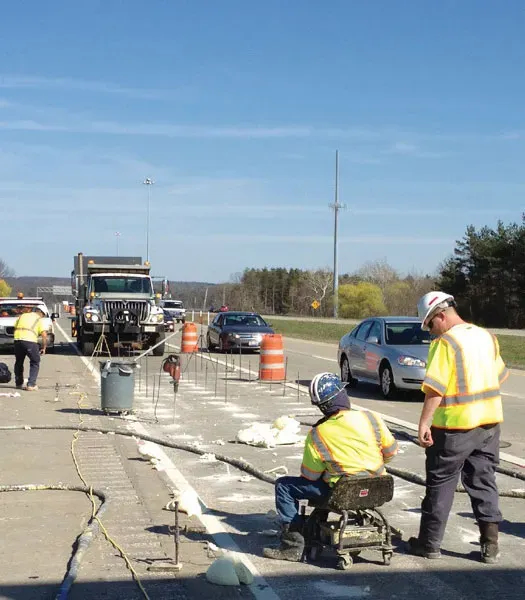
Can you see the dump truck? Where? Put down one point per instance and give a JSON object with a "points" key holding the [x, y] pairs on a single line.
{"points": [[114, 298]]}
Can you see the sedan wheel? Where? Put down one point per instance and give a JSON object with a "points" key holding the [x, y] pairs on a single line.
{"points": [[388, 387], [208, 342], [346, 373]]}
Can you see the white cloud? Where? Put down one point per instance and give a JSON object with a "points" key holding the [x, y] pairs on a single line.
{"points": [[66, 83]]}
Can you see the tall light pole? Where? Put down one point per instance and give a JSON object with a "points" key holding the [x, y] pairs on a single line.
{"points": [[335, 207], [148, 182], [117, 235]]}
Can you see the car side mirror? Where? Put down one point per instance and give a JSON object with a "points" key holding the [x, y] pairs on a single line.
{"points": [[373, 339], [54, 316]]}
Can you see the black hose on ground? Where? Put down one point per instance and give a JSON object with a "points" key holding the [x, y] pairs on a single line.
{"points": [[248, 467], [83, 540]]}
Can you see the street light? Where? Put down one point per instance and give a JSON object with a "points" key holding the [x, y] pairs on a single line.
{"points": [[117, 235], [148, 182], [336, 206]]}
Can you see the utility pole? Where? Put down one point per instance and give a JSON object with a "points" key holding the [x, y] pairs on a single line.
{"points": [[148, 182], [117, 235], [336, 206]]}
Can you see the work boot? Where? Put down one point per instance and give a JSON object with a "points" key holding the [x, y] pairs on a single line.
{"points": [[489, 542], [30, 388], [291, 547], [418, 548]]}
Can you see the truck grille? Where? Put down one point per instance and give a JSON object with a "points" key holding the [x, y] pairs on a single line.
{"points": [[138, 307]]}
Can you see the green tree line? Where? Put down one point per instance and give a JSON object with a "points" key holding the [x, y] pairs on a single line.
{"points": [[485, 273]]}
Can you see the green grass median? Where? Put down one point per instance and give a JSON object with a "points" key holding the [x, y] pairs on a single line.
{"points": [[512, 346]]}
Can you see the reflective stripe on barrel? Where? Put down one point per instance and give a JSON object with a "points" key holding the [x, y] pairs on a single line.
{"points": [[189, 338], [271, 365]]}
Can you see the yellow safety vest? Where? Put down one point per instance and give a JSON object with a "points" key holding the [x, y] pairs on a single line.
{"points": [[353, 443], [465, 368], [28, 327]]}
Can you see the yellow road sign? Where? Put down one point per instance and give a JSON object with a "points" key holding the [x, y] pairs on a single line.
{"points": [[315, 305]]}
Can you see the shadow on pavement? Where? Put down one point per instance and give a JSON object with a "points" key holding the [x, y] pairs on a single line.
{"points": [[378, 583]]}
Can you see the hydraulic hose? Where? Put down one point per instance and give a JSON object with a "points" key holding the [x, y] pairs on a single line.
{"points": [[83, 540], [248, 467]]}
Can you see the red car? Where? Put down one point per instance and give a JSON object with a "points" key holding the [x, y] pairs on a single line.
{"points": [[224, 308]]}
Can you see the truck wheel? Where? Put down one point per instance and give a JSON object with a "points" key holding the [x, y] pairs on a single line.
{"points": [[159, 350], [88, 348]]}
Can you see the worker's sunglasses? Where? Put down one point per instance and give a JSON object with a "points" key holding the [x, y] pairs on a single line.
{"points": [[430, 323]]}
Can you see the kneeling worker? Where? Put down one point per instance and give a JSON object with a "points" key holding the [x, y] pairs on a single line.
{"points": [[344, 443]]}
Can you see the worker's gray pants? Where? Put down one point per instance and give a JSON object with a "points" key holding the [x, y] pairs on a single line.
{"points": [[474, 453]]}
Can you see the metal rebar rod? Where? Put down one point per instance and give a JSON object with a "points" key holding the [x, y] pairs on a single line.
{"points": [[226, 380], [216, 377], [285, 375], [195, 365], [176, 532], [147, 376]]}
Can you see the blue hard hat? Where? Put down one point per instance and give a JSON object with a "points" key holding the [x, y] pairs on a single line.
{"points": [[324, 387]]}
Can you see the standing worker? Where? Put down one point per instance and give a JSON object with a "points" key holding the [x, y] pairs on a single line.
{"points": [[459, 425], [28, 327], [344, 443]]}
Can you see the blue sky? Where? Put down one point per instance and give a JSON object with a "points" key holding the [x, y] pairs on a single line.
{"points": [[235, 110]]}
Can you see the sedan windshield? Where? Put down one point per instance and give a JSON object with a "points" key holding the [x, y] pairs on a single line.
{"points": [[406, 334], [244, 321], [15, 310]]}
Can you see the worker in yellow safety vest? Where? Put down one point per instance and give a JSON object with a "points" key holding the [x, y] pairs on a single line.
{"points": [[344, 443], [28, 327], [459, 425]]}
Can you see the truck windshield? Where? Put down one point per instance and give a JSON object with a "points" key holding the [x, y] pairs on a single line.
{"points": [[121, 285], [172, 304]]}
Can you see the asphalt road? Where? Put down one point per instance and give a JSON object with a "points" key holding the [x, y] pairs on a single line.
{"points": [[219, 395], [306, 358]]}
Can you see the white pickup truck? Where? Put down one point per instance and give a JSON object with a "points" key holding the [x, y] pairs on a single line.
{"points": [[175, 309]]}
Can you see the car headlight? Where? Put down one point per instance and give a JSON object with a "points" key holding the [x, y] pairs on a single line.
{"points": [[258, 337], [234, 335], [95, 318], [160, 318], [411, 361]]}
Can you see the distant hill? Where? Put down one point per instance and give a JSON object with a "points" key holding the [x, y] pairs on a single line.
{"points": [[192, 293]]}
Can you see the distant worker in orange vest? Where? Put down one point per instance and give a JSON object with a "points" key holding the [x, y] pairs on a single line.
{"points": [[28, 327]]}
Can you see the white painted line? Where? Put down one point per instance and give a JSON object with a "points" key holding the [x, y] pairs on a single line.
{"points": [[260, 588]]}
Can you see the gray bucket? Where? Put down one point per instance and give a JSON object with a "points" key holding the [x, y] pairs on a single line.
{"points": [[117, 385]]}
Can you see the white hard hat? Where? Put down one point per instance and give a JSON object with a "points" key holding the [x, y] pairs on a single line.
{"points": [[431, 303]]}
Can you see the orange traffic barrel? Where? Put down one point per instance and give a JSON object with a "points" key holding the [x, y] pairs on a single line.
{"points": [[271, 364], [189, 338]]}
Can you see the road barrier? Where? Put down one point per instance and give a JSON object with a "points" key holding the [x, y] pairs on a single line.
{"points": [[271, 364], [189, 338]]}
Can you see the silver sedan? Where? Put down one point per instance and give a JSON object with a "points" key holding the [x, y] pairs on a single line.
{"points": [[389, 351]]}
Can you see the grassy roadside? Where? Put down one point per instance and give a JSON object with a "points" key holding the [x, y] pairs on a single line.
{"points": [[512, 346]]}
